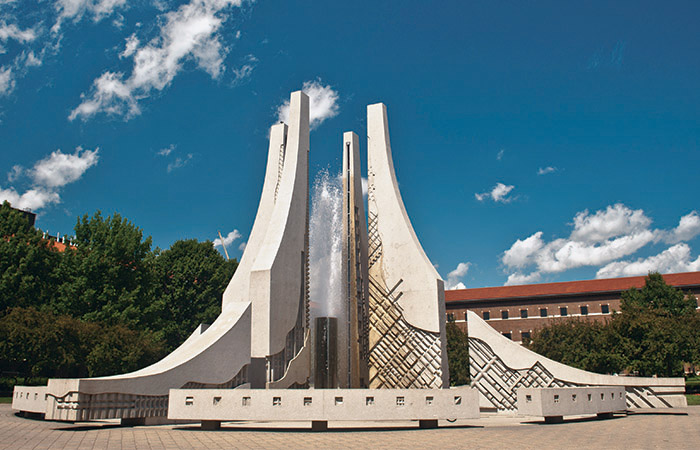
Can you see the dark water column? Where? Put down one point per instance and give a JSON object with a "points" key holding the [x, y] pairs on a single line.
{"points": [[326, 367]]}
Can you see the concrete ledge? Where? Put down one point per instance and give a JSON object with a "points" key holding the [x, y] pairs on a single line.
{"points": [[555, 403], [323, 405]]}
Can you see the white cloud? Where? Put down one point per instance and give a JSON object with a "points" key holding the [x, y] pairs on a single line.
{"points": [[546, 170], [132, 43], [499, 156], [59, 169], [179, 162], [499, 193], [167, 150], [228, 240], [365, 186], [597, 239], [242, 246], [687, 229], [454, 277], [48, 176], [77, 9], [12, 31], [674, 259], [323, 103], [189, 33], [519, 278], [7, 82], [245, 71]]}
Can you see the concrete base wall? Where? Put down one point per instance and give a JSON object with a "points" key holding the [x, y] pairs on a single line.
{"points": [[553, 402], [323, 404]]}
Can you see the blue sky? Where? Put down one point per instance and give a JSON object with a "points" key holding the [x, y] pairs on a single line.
{"points": [[533, 141]]}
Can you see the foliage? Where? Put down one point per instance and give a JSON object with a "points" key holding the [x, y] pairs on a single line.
{"points": [[110, 305], [657, 331], [457, 355]]}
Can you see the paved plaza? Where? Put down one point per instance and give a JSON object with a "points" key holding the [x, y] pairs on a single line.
{"points": [[677, 429]]}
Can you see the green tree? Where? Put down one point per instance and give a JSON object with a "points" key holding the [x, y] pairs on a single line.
{"points": [[457, 355], [191, 277]]}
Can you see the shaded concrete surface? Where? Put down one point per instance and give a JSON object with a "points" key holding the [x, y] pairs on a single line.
{"points": [[677, 428]]}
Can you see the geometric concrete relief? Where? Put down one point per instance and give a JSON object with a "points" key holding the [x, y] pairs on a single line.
{"points": [[499, 366], [406, 294]]}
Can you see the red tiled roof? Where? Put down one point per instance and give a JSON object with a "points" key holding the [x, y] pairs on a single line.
{"points": [[566, 288]]}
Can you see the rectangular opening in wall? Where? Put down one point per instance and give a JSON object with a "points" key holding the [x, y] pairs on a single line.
{"points": [[612, 395], [369, 401], [338, 401], [543, 312], [556, 398], [486, 315], [523, 313], [525, 336], [620, 394], [573, 397], [605, 309], [307, 401], [563, 311], [276, 401], [450, 317], [400, 401], [458, 399], [216, 400], [504, 314], [508, 335], [465, 316], [590, 398], [584, 310], [189, 401], [428, 400], [602, 396], [245, 401], [528, 398]]}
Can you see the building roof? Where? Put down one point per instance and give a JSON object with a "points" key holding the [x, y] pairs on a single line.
{"points": [[566, 288]]}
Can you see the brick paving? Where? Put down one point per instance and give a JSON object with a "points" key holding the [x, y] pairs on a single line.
{"points": [[670, 429]]}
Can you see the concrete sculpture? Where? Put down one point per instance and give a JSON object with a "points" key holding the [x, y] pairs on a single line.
{"points": [[406, 294], [499, 368], [394, 335]]}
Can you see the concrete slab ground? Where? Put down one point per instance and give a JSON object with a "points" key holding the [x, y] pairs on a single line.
{"points": [[677, 428]]}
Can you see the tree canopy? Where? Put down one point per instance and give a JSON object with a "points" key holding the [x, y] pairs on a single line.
{"points": [[108, 305]]}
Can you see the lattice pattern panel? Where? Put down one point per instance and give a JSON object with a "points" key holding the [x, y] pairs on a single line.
{"points": [[400, 355], [498, 382], [79, 406], [240, 378]]}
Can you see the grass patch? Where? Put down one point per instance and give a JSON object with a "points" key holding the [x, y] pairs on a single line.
{"points": [[693, 400], [9, 400]]}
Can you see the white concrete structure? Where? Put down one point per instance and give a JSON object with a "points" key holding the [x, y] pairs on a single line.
{"points": [[322, 405], [499, 367], [406, 294], [259, 337], [555, 403]]}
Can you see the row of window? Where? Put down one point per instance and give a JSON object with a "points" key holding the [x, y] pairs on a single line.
{"points": [[544, 312], [369, 401]]}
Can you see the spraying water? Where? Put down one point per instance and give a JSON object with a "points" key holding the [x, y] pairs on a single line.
{"points": [[325, 247]]}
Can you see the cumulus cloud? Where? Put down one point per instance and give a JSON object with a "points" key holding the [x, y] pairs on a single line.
{"points": [[59, 169], [190, 33], [13, 32], [598, 239], [179, 161], [228, 240], [674, 259], [454, 277], [499, 155], [75, 10], [7, 81], [546, 170], [499, 193], [167, 150], [687, 229], [48, 176], [242, 246], [323, 103]]}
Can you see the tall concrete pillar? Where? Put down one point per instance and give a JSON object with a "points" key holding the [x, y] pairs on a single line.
{"points": [[355, 266], [406, 294]]}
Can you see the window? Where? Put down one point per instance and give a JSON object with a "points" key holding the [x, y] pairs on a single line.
{"points": [[307, 401], [573, 397], [338, 401], [525, 336], [543, 312], [369, 401], [528, 398], [486, 315], [584, 310], [276, 401], [216, 400], [458, 399], [428, 400], [563, 311], [556, 398], [590, 397], [465, 316], [245, 401], [400, 401], [450, 317], [523, 313], [508, 335], [605, 309], [189, 401], [504, 314]]}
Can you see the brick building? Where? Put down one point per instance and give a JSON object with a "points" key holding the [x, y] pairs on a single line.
{"points": [[516, 311]]}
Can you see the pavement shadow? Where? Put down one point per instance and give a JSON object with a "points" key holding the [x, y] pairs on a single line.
{"points": [[233, 428], [576, 420], [656, 412]]}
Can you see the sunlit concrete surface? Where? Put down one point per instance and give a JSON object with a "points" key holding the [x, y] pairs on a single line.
{"points": [[677, 429]]}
